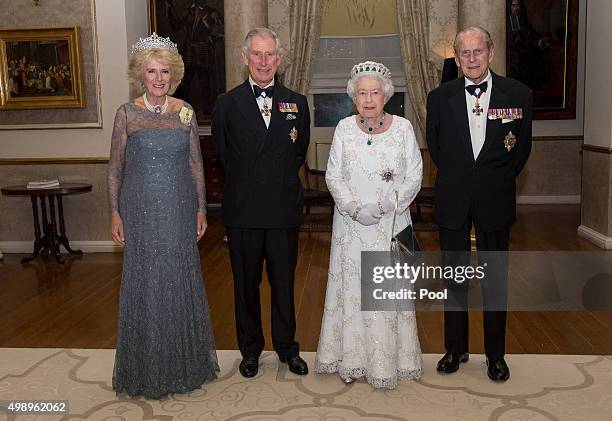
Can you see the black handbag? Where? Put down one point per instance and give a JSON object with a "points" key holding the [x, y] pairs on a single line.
{"points": [[404, 245]]}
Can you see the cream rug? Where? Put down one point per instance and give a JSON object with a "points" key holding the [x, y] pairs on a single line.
{"points": [[542, 387]]}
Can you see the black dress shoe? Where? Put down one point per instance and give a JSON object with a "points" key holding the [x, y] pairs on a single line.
{"points": [[296, 364], [450, 362], [249, 366], [498, 370]]}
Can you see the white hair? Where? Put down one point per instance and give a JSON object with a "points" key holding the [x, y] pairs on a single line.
{"points": [[464, 31]]}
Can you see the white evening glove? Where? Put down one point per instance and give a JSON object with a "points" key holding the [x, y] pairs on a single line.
{"points": [[351, 207], [368, 214], [386, 206]]}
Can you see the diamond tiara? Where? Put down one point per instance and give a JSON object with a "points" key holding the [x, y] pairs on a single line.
{"points": [[371, 67], [154, 41]]}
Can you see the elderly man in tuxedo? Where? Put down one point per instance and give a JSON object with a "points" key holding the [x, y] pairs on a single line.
{"points": [[261, 130], [479, 137]]}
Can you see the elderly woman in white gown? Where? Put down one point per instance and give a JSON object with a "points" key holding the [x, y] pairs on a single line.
{"points": [[373, 156]]}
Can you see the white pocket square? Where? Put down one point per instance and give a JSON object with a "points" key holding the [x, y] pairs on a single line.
{"points": [[291, 117], [507, 120]]}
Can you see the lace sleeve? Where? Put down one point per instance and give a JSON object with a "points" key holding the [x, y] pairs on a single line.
{"points": [[411, 183], [116, 161], [336, 184], [195, 164]]}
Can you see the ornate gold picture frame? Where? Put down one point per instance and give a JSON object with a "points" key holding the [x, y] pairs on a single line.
{"points": [[40, 69]]}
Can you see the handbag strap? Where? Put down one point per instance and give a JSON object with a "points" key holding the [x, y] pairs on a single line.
{"points": [[394, 215], [393, 233]]}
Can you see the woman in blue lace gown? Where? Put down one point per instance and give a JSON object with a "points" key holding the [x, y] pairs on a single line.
{"points": [[157, 202]]}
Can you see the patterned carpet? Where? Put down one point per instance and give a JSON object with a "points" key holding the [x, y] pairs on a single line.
{"points": [[542, 387]]}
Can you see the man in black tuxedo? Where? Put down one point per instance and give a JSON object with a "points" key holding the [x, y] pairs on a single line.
{"points": [[479, 137], [261, 131]]}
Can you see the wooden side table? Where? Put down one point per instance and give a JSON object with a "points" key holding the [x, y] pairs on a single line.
{"points": [[51, 239]]}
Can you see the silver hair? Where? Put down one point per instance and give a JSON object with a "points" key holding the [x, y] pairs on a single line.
{"points": [[387, 85], [264, 33], [480, 29]]}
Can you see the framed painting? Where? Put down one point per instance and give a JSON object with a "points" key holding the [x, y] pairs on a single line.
{"points": [[541, 51], [40, 69], [198, 29]]}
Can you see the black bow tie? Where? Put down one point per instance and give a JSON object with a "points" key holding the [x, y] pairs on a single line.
{"points": [[472, 88], [267, 91]]}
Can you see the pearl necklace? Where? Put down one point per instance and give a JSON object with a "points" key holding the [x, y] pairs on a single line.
{"points": [[371, 129], [156, 109]]}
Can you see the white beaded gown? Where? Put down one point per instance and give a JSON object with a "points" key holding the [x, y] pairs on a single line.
{"points": [[381, 346]]}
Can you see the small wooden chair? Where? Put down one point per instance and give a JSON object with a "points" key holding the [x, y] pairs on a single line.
{"points": [[313, 194], [424, 221]]}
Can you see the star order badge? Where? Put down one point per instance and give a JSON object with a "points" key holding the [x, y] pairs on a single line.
{"points": [[387, 175], [509, 141], [293, 134]]}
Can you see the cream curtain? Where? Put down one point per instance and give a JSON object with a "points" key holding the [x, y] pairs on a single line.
{"points": [[304, 33], [421, 73]]}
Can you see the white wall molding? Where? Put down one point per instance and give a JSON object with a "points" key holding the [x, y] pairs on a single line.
{"points": [[548, 200], [595, 237], [86, 246]]}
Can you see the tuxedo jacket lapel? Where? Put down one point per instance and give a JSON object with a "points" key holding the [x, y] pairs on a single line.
{"points": [[247, 106], [499, 99], [458, 106]]}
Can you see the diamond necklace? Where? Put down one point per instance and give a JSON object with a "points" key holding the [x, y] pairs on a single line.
{"points": [[381, 123], [156, 109]]}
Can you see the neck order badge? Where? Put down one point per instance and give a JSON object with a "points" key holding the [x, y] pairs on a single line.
{"points": [[477, 91]]}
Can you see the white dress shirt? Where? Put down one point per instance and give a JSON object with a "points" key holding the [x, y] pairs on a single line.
{"points": [[261, 101], [478, 123]]}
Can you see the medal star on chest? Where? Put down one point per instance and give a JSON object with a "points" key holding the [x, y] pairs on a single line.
{"points": [[510, 141], [293, 134]]}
